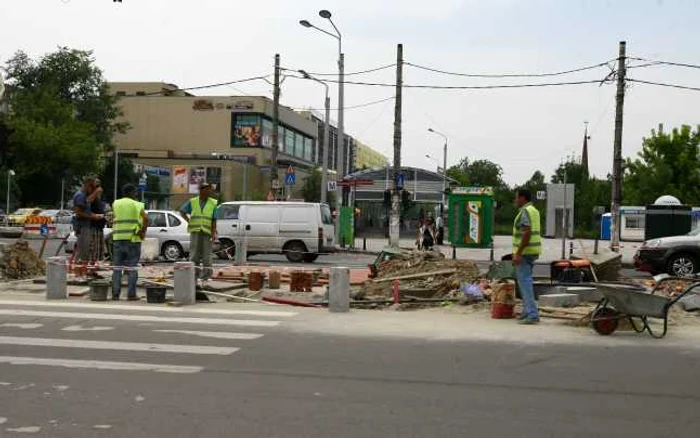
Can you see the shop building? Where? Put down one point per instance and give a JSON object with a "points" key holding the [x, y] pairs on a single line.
{"points": [[226, 140]]}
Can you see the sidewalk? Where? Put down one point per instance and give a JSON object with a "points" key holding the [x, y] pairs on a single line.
{"points": [[551, 248]]}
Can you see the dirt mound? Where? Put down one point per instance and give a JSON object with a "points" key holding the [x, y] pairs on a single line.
{"points": [[431, 276], [19, 262]]}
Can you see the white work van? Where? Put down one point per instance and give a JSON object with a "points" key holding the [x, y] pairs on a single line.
{"points": [[299, 230]]}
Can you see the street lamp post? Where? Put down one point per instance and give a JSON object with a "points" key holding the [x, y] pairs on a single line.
{"points": [[10, 174], [444, 170], [326, 136], [341, 101]]}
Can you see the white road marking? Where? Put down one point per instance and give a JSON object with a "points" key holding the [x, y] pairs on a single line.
{"points": [[140, 318], [60, 388], [27, 326], [217, 335], [80, 328], [100, 365], [138, 308], [139, 398], [26, 429], [3, 420], [110, 345], [102, 426]]}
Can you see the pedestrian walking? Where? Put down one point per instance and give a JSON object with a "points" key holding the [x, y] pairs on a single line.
{"points": [[83, 221], [440, 229], [527, 247], [96, 229], [200, 213], [129, 228]]}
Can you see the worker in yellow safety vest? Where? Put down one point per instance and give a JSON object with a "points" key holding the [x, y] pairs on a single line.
{"points": [[128, 230], [200, 213], [527, 246]]}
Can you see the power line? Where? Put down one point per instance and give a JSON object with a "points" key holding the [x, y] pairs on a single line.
{"points": [[372, 70], [363, 105], [661, 84], [463, 87], [652, 62], [518, 75], [220, 84]]}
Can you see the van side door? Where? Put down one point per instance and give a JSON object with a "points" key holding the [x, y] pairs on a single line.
{"points": [[261, 227], [228, 223]]}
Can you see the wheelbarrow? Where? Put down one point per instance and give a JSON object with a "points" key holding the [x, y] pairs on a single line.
{"points": [[624, 301]]}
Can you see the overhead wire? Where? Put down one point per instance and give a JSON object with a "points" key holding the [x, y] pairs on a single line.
{"points": [[372, 70], [662, 84], [652, 62], [220, 84], [363, 105], [513, 75]]}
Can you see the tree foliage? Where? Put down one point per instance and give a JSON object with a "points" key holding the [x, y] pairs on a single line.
{"points": [[668, 164], [61, 122]]}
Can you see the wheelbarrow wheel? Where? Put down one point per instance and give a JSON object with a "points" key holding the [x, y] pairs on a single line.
{"points": [[605, 321]]}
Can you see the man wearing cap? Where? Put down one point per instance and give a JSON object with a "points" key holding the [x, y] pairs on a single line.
{"points": [[129, 229], [200, 213]]}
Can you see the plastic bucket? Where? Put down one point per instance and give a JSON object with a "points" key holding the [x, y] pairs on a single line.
{"points": [[99, 290], [155, 294], [502, 311]]}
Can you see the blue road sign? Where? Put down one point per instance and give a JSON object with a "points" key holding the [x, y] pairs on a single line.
{"points": [[290, 179], [44, 230], [142, 182], [400, 180]]}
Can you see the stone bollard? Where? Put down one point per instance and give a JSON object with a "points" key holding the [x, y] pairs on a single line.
{"points": [[56, 279], [339, 290], [241, 256], [185, 292]]}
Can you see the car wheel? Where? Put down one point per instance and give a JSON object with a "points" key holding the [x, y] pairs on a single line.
{"points": [[172, 251], [295, 251], [226, 249], [310, 258], [682, 265]]}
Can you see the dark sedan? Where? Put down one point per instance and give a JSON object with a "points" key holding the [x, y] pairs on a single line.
{"points": [[677, 255]]}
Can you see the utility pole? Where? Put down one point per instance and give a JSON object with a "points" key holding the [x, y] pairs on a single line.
{"points": [[617, 147], [275, 128], [326, 146], [341, 125], [395, 217]]}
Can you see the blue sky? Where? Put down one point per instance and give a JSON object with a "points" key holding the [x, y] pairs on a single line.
{"points": [[191, 43]]}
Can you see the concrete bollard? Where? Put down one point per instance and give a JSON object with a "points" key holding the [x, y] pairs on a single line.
{"points": [[339, 290], [241, 256], [185, 283], [56, 278]]}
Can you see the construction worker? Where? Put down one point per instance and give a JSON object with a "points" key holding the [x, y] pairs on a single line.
{"points": [[527, 246], [200, 213], [129, 229]]}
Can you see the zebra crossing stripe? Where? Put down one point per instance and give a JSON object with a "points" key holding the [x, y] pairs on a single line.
{"points": [[100, 365]]}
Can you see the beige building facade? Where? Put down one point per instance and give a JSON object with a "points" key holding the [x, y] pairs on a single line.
{"points": [[225, 140]]}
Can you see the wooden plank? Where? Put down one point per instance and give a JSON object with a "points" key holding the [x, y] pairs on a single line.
{"points": [[419, 275]]}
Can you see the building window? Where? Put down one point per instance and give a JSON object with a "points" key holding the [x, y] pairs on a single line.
{"points": [[267, 133], [635, 222], [309, 149], [140, 93], [300, 151], [245, 130], [289, 142], [280, 138], [121, 93]]}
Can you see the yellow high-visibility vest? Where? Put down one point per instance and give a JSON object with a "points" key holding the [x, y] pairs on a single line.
{"points": [[534, 247], [201, 219], [127, 220]]}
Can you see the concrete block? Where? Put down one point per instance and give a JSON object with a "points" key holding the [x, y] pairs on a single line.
{"points": [[585, 294], [56, 278], [339, 290], [241, 254], [185, 284], [150, 251], [559, 300]]}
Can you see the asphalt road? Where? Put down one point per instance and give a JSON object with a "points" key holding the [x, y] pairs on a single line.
{"points": [[286, 384]]}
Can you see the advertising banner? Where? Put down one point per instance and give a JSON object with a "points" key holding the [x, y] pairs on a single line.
{"points": [[180, 179], [197, 176]]}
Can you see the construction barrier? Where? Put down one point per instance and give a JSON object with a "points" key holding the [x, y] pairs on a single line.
{"points": [[33, 231]]}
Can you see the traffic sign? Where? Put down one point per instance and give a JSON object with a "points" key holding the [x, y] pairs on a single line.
{"points": [[290, 170], [400, 180], [44, 230], [541, 195], [142, 182], [290, 179], [332, 186], [275, 184]]}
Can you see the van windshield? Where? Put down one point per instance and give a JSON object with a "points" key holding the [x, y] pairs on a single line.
{"points": [[326, 216]]}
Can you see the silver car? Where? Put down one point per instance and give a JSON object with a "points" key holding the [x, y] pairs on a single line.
{"points": [[165, 225]]}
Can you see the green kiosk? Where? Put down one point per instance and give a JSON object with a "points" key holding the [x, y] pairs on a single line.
{"points": [[471, 217]]}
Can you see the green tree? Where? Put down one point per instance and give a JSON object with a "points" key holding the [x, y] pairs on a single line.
{"points": [[668, 164], [311, 190], [62, 121]]}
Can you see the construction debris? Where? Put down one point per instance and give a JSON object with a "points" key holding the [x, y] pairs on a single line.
{"points": [[19, 262], [420, 273]]}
